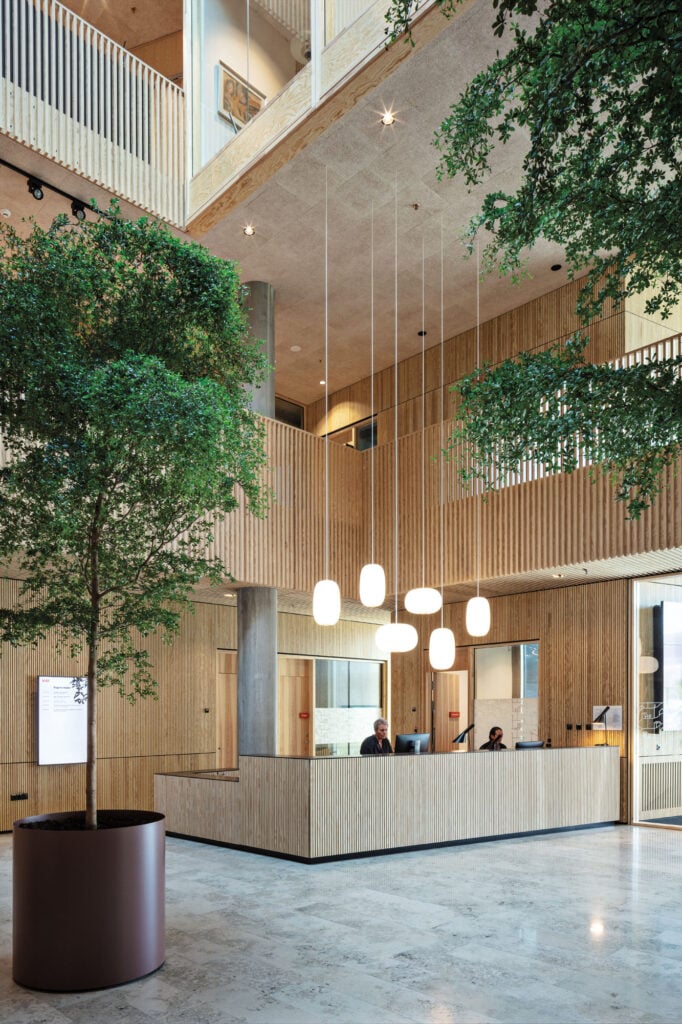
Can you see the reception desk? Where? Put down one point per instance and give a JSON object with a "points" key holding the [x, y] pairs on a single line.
{"points": [[319, 808]]}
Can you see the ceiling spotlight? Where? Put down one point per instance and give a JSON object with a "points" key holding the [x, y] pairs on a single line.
{"points": [[249, 230], [5, 212], [295, 348], [421, 334], [323, 382], [558, 575], [388, 117], [78, 209], [36, 188], [555, 266]]}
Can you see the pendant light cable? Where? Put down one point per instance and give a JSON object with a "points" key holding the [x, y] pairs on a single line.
{"points": [[371, 373], [423, 439], [395, 390], [478, 365], [326, 373], [442, 428]]}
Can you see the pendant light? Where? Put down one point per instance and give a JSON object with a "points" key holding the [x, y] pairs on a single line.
{"points": [[478, 608], [326, 595], [442, 647], [372, 575], [395, 637], [423, 600]]}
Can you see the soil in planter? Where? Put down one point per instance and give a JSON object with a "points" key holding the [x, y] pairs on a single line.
{"points": [[105, 819]]}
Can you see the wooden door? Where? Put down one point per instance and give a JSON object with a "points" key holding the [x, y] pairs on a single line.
{"points": [[295, 707], [227, 739], [450, 710]]}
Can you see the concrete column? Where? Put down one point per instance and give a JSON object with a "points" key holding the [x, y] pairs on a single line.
{"points": [[262, 326], [257, 670]]}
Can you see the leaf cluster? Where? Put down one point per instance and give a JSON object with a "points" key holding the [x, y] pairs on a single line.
{"points": [[124, 363], [596, 90], [557, 411]]}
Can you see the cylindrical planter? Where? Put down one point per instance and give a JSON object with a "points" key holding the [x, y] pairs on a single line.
{"points": [[89, 905]]}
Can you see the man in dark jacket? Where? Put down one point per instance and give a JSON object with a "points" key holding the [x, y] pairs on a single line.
{"points": [[379, 743]]}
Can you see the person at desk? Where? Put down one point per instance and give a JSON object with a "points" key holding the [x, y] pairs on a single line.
{"points": [[494, 740], [379, 743]]}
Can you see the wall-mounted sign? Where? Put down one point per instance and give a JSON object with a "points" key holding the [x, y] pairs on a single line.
{"points": [[453, 714], [62, 720], [304, 714]]}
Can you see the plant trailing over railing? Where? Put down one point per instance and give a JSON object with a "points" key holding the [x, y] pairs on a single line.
{"points": [[559, 412], [596, 89]]}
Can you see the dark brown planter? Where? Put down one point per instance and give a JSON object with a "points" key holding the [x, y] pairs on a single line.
{"points": [[88, 905]]}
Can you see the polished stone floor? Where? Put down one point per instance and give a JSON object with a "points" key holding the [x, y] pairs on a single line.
{"points": [[575, 927]]}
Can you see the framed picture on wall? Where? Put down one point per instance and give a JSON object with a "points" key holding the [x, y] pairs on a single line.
{"points": [[238, 102]]}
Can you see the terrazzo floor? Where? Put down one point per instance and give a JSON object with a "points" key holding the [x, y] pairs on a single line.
{"points": [[574, 927]]}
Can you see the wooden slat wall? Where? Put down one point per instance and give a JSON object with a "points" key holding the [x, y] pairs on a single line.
{"points": [[369, 803], [286, 550], [533, 325], [268, 808], [174, 733], [334, 806], [584, 660]]}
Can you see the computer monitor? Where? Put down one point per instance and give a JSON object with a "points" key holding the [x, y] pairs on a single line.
{"points": [[412, 743], [529, 744]]}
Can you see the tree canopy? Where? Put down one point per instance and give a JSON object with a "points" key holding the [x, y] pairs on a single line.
{"points": [[595, 89], [124, 374]]}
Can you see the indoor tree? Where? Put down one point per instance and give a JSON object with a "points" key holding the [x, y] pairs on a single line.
{"points": [[596, 89], [124, 373]]}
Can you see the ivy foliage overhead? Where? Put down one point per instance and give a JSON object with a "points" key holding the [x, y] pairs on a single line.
{"points": [[124, 373], [596, 90]]}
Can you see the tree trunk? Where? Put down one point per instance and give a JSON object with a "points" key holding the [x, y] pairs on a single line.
{"points": [[91, 764]]}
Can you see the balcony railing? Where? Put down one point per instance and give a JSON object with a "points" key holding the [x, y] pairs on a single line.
{"points": [[74, 95]]}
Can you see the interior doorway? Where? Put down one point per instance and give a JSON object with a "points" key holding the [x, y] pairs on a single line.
{"points": [[226, 740], [450, 709]]}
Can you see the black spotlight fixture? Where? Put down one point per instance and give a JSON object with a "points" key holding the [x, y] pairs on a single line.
{"points": [[78, 209], [36, 189]]}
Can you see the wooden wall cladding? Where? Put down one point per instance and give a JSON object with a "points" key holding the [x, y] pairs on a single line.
{"points": [[583, 634], [330, 807], [286, 550], [533, 325], [173, 733]]}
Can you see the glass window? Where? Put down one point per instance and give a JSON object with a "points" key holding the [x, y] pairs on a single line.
{"points": [[347, 702]]}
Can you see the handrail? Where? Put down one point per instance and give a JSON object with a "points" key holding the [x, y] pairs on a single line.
{"points": [[73, 94]]}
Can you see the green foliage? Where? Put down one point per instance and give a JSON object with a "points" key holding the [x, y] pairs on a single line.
{"points": [[123, 365], [596, 89], [554, 409]]}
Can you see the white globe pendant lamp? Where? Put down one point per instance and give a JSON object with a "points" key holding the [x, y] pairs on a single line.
{"points": [[478, 616], [326, 602], [326, 595], [442, 649], [442, 640], [396, 637], [423, 600], [372, 585], [372, 575]]}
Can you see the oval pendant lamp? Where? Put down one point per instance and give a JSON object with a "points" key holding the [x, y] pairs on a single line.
{"points": [[442, 648], [372, 575], [396, 637], [478, 608], [423, 600], [326, 595]]}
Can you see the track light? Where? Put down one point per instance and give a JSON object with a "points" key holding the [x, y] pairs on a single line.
{"points": [[78, 209], [36, 188]]}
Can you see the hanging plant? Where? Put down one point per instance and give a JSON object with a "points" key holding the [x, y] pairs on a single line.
{"points": [[559, 412]]}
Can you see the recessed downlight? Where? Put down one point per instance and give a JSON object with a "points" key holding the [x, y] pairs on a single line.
{"points": [[387, 118], [555, 266], [295, 348], [249, 230]]}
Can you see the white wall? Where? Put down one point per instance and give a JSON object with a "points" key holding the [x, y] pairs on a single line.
{"points": [[219, 33]]}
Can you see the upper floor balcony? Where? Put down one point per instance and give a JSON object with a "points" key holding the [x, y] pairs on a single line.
{"points": [[72, 94]]}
